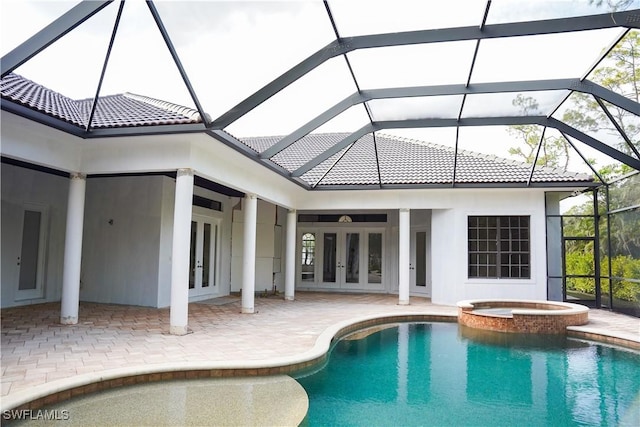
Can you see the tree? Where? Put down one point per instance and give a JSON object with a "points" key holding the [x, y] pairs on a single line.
{"points": [[620, 73], [612, 5], [554, 151]]}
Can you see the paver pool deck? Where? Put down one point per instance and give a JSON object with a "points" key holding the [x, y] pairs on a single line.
{"points": [[37, 352]]}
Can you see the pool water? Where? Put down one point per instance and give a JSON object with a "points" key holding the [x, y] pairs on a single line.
{"points": [[445, 375]]}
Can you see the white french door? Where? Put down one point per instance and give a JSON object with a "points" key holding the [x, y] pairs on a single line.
{"points": [[203, 260], [31, 260], [342, 258], [420, 262]]}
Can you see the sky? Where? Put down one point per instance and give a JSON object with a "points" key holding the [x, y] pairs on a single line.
{"points": [[231, 49]]}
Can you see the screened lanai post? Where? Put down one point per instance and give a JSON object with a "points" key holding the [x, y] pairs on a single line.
{"points": [[73, 250], [290, 256], [554, 246], [179, 310], [250, 208], [597, 273], [404, 249]]}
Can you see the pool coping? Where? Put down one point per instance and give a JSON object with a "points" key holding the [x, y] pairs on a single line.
{"points": [[618, 338], [564, 308], [78, 385]]}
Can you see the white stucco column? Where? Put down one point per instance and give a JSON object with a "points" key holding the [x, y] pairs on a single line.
{"points": [[290, 256], [73, 250], [180, 250], [404, 248], [250, 209]]}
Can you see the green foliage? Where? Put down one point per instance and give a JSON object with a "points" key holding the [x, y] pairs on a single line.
{"points": [[620, 73], [581, 263], [625, 266]]}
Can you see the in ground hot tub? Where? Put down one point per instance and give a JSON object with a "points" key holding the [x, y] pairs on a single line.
{"points": [[521, 316]]}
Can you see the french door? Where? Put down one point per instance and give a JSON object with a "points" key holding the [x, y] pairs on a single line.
{"points": [[31, 260], [203, 260], [342, 259], [420, 265]]}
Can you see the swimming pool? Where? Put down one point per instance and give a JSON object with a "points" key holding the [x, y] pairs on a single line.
{"points": [[443, 374]]}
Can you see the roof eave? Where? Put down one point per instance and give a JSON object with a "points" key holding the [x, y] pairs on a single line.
{"points": [[42, 118], [100, 132], [470, 185]]}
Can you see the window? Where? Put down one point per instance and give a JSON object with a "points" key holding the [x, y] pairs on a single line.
{"points": [[499, 247], [308, 256], [342, 218], [203, 202]]}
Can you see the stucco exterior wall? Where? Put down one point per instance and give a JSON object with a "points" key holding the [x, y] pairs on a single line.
{"points": [[121, 240], [129, 261], [450, 254], [267, 255], [23, 188]]}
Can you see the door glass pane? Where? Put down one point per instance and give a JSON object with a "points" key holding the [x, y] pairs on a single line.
{"points": [[329, 257], [375, 258], [214, 256], [192, 255], [206, 255], [308, 257], [421, 258], [353, 257], [29, 252]]}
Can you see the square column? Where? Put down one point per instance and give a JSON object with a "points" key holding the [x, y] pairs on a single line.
{"points": [[179, 310], [404, 261], [250, 208], [73, 250], [290, 257]]}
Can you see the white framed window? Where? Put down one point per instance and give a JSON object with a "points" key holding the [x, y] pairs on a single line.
{"points": [[499, 247]]}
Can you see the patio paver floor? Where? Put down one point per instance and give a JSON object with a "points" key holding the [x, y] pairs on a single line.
{"points": [[37, 350]]}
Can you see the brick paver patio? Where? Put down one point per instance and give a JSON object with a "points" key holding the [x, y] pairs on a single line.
{"points": [[37, 350]]}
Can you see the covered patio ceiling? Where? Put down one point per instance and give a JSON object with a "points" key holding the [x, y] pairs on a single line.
{"points": [[445, 74]]}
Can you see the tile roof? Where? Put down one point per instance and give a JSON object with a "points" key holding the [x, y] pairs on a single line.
{"points": [[123, 110], [385, 160], [402, 161]]}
